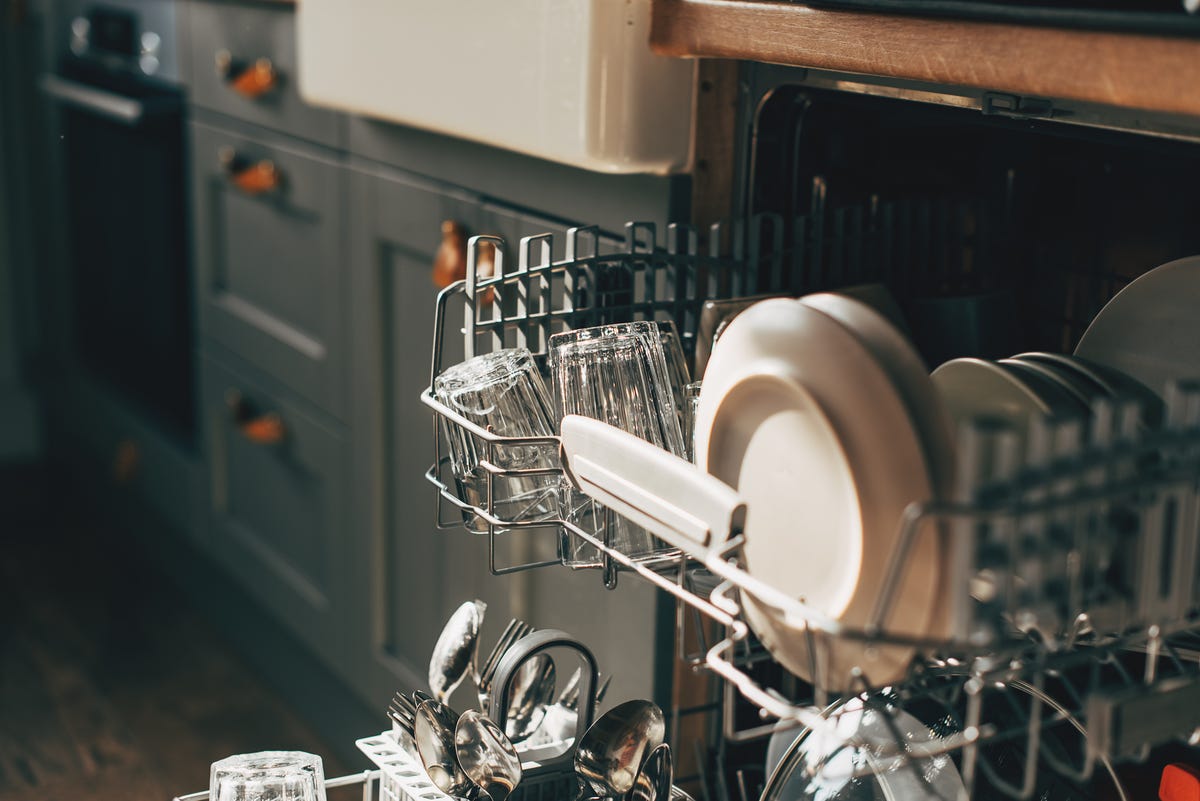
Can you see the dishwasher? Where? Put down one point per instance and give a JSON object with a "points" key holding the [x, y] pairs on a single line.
{"points": [[992, 229]]}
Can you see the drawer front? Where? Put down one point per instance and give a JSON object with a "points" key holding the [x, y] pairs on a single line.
{"points": [[269, 262], [276, 500], [244, 64]]}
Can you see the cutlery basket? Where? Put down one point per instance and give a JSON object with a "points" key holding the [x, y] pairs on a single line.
{"points": [[403, 779]]}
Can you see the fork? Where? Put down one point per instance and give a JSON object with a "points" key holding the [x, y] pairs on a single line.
{"points": [[515, 630], [403, 711]]}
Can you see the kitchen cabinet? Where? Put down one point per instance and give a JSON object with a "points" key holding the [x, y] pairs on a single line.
{"points": [[395, 554], [277, 495], [267, 222], [409, 576], [311, 253], [242, 58]]}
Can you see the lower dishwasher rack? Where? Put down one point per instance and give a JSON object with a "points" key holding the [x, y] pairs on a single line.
{"points": [[1067, 672]]}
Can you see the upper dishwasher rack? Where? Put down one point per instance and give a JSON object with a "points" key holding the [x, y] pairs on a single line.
{"points": [[1033, 608]]}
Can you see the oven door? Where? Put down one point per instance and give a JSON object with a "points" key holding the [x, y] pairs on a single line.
{"points": [[126, 231]]}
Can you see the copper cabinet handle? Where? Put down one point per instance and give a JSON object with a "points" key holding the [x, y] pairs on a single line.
{"points": [[450, 261], [250, 79], [266, 428], [250, 176]]}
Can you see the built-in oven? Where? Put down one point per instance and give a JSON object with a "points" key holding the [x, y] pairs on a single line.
{"points": [[123, 146]]}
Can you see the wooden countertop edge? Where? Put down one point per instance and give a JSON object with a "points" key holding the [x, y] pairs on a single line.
{"points": [[1139, 71]]}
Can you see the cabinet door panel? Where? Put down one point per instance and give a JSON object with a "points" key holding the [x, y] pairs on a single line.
{"points": [[396, 224], [277, 502], [269, 266], [249, 33]]}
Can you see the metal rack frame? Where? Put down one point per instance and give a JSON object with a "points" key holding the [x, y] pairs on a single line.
{"points": [[1075, 485]]}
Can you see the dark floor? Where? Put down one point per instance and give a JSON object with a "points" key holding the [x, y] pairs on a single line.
{"points": [[111, 685]]}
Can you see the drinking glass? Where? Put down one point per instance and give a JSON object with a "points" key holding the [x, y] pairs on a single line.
{"points": [[619, 374], [268, 776], [691, 402], [677, 368], [502, 391]]}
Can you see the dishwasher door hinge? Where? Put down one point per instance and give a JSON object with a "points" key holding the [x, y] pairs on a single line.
{"points": [[1004, 105]]}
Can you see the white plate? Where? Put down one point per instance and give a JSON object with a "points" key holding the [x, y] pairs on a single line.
{"points": [[867, 318], [973, 388], [1150, 330], [881, 333], [800, 417], [1109, 381]]}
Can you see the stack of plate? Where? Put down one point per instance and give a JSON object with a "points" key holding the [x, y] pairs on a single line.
{"points": [[824, 418], [1033, 386], [820, 413]]}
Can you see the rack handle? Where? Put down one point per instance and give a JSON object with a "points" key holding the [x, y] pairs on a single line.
{"points": [[253, 177], [669, 496], [266, 428], [528, 648], [250, 79]]}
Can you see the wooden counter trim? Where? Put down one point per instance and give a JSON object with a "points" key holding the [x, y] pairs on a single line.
{"points": [[1153, 73]]}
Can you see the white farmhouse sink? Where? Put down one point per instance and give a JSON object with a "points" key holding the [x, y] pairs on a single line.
{"points": [[569, 80]]}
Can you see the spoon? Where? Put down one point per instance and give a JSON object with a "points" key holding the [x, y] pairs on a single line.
{"points": [[653, 782], [433, 732], [613, 749], [454, 654], [487, 756], [561, 717], [531, 692]]}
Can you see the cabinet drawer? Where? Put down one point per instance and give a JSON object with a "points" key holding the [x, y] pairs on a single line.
{"points": [[244, 65], [269, 263], [277, 502]]}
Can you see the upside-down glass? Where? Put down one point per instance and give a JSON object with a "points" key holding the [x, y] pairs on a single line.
{"points": [[268, 776], [502, 391], [677, 370], [691, 401], [619, 374]]}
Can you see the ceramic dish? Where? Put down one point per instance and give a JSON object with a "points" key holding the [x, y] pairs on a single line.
{"points": [[880, 332], [975, 388], [715, 317], [1075, 385], [1150, 329], [1109, 381], [801, 418], [864, 311]]}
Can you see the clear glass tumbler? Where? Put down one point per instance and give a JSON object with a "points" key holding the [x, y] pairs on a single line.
{"points": [[691, 402], [502, 391], [268, 776], [677, 368], [619, 374]]}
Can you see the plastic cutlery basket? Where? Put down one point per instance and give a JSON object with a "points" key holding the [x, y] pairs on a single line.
{"points": [[548, 768]]}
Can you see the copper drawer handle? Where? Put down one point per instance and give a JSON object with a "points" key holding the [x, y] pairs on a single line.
{"points": [[450, 261], [250, 176], [250, 79], [266, 428]]}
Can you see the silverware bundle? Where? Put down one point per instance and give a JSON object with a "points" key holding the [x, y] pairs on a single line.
{"points": [[470, 755]]}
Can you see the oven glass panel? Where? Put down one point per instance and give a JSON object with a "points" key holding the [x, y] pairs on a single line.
{"points": [[129, 262]]}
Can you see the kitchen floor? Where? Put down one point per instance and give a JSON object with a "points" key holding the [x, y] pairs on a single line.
{"points": [[111, 685]]}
